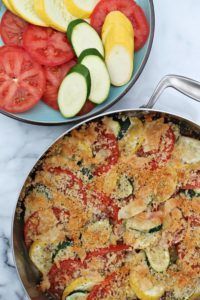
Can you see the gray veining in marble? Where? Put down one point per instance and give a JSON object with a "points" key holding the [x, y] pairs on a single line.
{"points": [[176, 49]]}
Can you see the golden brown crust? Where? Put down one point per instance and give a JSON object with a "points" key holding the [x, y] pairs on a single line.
{"points": [[76, 204]]}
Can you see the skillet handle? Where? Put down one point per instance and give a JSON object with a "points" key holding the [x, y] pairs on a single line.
{"points": [[186, 86]]}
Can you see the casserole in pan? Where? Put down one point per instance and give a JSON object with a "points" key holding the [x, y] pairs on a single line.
{"points": [[111, 210]]}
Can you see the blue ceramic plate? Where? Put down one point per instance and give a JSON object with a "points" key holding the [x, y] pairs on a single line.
{"points": [[42, 114]]}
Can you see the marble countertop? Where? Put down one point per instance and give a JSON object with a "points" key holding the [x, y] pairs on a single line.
{"points": [[176, 50]]}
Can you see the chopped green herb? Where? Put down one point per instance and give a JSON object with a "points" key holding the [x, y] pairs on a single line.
{"points": [[87, 172]]}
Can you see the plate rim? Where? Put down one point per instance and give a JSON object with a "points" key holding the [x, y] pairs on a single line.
{"points": [[92, 114]]}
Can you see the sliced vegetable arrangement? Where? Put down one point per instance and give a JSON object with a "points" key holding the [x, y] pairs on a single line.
{"points": [[100, 223], [101, 34]]}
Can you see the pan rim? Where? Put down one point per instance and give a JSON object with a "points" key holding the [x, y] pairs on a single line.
{"points": [[128, 110]]}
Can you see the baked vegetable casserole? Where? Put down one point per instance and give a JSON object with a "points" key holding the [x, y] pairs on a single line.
{"points": [[112, 211]]}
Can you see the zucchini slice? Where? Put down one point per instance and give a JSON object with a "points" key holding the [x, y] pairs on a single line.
{"points": [[59, 248], [124, 187], [81, 285], [74, 91], [100, 79], [189, 149], [191, 193], [158, 257], [78, 295], [82, 36], [114, 126], [134, 208], [124, 124], [145, 222]]}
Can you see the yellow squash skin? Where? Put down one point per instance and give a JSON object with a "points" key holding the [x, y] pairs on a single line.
{"points": [[54, 13], [116, 18], [118, 40], [78, 11], [40, 11], [9, 6], [25, 9]]}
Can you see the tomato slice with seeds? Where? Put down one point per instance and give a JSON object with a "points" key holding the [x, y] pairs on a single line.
{"points": [[106, 141], [128, 7], [12, 29], [105, 204], [194, 181], [54, 78], [62, 215], [102, 290], [70, 182], [31, 228], [88, 107], [22, 80], [105, 251], [163, 154], [61, 274], [47, 46]]}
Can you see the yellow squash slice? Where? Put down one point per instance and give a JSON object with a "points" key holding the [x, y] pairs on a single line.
{"points": [[116, 18], [118, 39], [81, 284], [144, 289], [54, 12], [40, 254], [25, 9], [81, 8], [8, 6]]}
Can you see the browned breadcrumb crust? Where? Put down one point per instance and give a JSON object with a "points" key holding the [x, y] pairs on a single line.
{"points": [[144, 179]]}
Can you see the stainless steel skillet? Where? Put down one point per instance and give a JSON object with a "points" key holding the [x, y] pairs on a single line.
{"points": [[27, 272]]}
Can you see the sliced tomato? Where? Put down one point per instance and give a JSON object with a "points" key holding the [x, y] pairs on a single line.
{"points": [[12, 29], [31, 228], [62, 215], [47, 46], [106, 141], [61, 274], [104, 204], [102, 290], [71, 181], [88, 107], [5, 49], [194, 181], [105, 251], [22, 81], [163, 154], [194, 220], [128, 7], [54, 78]]}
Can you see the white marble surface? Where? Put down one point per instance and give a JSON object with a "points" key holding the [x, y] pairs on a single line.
{"points": [[176, 49]]}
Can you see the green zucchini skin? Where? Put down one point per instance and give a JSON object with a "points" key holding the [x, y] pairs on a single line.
{"points": [[84, 72], [70, 99], [190, 193], [124, 126], [75, 294], [156, 229], [77, 38], [39, 189], [60, 247], [158, 258], [87, 52], [71, 26], [100, 78]]}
